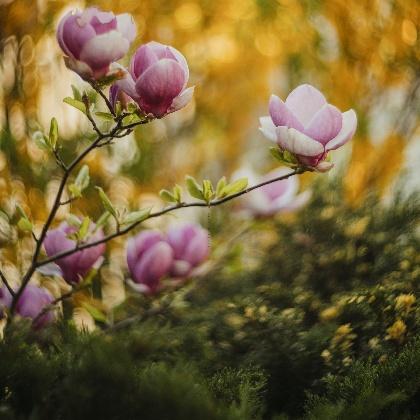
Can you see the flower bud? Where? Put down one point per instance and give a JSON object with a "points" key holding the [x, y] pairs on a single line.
{"points": [[190, 245], [157, 79], [149, 259], [277, 197], [307, 126], [93, 39], [31, 303], [74, 267]]}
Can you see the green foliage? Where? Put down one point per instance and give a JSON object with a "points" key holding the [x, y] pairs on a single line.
{"points": [[328, 309]]}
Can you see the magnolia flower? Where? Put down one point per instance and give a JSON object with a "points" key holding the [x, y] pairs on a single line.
{"points": [[94, 39], [277, 197], [31, 303], [307, 126], [75, 266], [190, 244], [149, 259], [157, 79]]}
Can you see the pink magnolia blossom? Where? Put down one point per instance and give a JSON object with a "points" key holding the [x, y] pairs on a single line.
{"points": [[75, 266], [157, 79], [277, 197], [93, 39], [31, 303], [307, 126], [190, 244], [149, 259]]}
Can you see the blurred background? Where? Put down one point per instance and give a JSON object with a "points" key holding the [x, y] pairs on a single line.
{"points": [[362, 55]]}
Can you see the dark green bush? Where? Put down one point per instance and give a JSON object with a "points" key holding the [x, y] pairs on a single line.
{"points": [[328, 309]]}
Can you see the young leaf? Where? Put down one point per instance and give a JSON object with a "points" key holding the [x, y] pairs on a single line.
{"points": [[53, 136], [24, 224], [177, 193], [84, 228], [73, 220], [131, 119], [208, 191], [76, 93], [136, 216], [220, 185], [194, 188], [21, 211], [105, 116], [167, 196], [75, 190], [235, 187], [75, 103], [82, 178], [40, 140], [94, 311], [277, 153], [106, 202], [103, 219]]}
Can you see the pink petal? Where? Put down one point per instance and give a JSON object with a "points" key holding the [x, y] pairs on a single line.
{"points": [[324, 166], [127, 84], [82, 69], [103, 22], [103, 49], [268, 128], [60, 34], [304, 102], [137, 245], [197, 248], [159, 85], [126, 26], [347, 131], [74, 36], [297, 142], [325, 124], [282, 115], [154, 264], [182, 100], [143, 58]]}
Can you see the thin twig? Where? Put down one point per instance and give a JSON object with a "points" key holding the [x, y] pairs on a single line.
{"points": [[7, 284], [127, 229], [56, 301], [104, 97]]}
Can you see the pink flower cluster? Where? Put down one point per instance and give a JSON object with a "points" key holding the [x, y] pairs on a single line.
{"points": [[152, 256], [157, 77]]}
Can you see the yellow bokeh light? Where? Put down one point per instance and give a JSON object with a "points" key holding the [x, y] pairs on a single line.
{"points": [[188, 15], [409, 32]]}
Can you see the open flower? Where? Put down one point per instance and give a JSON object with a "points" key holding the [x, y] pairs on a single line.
{"points": [[93, 39], [190, 244], [157, 79], [31, 303], [307, 126], [149, 259], [277, 197], [74, 267]]}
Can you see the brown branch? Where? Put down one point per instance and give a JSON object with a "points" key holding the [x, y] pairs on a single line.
{"points": [[123, 231], [6, 283]]}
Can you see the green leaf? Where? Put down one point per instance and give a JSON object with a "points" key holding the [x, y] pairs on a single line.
{"points": [[106, 202], [84, 228], [208, 191], [75, 190], [103, 219], [40, 140], [131, 119], [21, 211], [136, 216], [24, 224], [82, 178], [277, 153], [194, 188], [105, 116], [73, 220], [75, 103], [76, 93], [95, 312], [167, 196], [177, 193], [235, 187], [220, 185], [53, 136]]}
